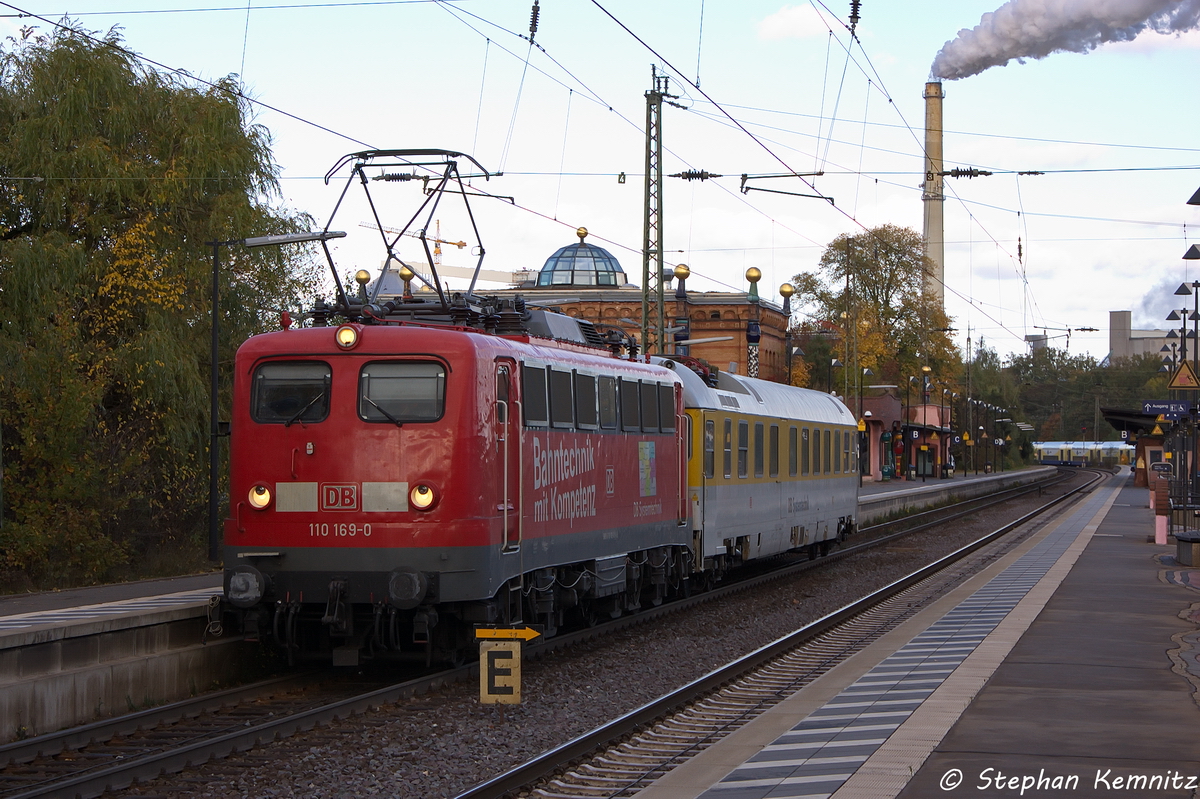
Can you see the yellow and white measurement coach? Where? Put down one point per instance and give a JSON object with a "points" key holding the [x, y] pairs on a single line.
{"points": [[770, 468]]}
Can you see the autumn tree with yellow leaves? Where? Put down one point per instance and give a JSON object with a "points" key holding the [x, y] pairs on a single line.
{"points": [[112, 177], [867, 298]]}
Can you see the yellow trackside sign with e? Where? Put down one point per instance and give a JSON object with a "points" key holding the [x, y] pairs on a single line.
{"points": [[500, 672]]}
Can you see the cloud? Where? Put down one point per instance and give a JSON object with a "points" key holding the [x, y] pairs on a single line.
{"points": [[792, 22]]}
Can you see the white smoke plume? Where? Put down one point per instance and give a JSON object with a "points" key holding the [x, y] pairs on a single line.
{"points": [[1036, 28]]}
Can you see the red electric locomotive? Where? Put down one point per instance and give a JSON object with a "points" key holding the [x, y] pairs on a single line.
{"points": [[434, 462], [391, 485]]}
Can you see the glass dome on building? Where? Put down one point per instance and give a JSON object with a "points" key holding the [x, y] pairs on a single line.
{"points": [[582, 264]]}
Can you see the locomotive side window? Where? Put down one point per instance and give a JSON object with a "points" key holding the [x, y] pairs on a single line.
{"points": [[401, 391], [562, 412], [608, 402], [650, 407], [773, 444], [630, 418], [728, 448], [743, 448], [585, 401], [710, 446], [292, 391], [793, 461], [759, 449], [533, 382], [666, 407]]}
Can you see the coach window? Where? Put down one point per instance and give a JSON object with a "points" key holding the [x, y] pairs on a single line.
{"points": [[585, 401], [710, 445], [533, 383], [401, 391], [630, 418], [728, 448], [650, 407], [607, 390], [759, 449], [666, 407], [288, 392], [773, 452], [837, 452], [561, 404], [793, 461], [846, 452], [743, 448], [804, 451], [828, 448]]}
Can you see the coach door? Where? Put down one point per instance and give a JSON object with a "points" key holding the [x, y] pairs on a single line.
{"points": [[508, 454]]}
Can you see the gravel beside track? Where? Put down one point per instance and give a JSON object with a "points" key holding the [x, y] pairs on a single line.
{"points": [[442, 743]]}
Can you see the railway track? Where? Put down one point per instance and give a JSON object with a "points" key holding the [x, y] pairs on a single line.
{"points": [[112, 754], [629, 753]]}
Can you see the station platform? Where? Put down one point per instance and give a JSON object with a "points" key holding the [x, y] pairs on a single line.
{"points": [[1068, 667], [957, 478]]}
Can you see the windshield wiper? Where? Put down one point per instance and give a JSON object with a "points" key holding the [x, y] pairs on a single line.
{"points": [[375, 405], [311, 402]]}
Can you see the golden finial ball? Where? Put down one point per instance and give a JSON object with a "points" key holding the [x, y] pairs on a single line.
{"points": [[754, 274], [581, 233], [405, 273], [787, 290], [682, 272], [362, 277]]}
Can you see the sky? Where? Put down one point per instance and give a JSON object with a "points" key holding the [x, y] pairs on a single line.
{"points": [[763, 88]]}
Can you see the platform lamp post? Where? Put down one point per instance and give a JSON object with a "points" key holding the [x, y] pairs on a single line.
{"points": [[214, 426], [833, 363], [904, 427]]}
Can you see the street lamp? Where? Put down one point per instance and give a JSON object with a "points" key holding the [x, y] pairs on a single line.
{"points": [[214, 534], [832, 363]]}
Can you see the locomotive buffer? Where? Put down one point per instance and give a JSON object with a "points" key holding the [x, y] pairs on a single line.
{"points": [[500, 663]]}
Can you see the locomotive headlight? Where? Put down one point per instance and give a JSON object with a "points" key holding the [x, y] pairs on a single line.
{"points": [[346, 337], [244, 586], [422, 496], [260, 497]]}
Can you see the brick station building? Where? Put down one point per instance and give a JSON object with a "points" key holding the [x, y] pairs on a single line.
{"points": [[587, 281]]}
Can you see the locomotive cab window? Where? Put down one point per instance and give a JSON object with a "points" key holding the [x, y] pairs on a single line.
{"points": [[401, 391], [291, 391]]}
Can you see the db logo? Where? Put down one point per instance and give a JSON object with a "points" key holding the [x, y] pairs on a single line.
{"points": [[339, 497]]}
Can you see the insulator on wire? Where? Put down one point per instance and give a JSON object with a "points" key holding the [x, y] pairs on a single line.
{"points": [[533, 20], [695, 174], [395, 176], [855, 5]]}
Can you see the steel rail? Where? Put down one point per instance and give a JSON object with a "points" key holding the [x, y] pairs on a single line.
{"points": [[525, 775]]}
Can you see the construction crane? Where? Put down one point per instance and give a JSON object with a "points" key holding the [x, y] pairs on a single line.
{"points": [[437, 240], [448, 271]]}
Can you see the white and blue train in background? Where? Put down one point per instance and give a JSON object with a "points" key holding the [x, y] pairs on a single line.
{"points": [[1083, 453]]}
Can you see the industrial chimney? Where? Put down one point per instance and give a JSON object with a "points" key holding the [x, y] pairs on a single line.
{"points": [[932, 195]]}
